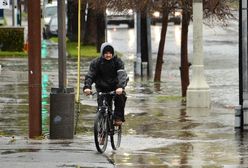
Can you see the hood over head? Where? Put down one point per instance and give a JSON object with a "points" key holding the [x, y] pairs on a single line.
{"points": [[107, 47]]}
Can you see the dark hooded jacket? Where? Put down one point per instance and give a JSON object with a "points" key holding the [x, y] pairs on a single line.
{"points": [[107, 75]]}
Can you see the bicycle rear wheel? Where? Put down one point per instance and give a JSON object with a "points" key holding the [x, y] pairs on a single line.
{"points": [[100, 133], [115, 137]]}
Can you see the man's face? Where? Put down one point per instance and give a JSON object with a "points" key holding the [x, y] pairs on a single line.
{"points": [[108, 55]]}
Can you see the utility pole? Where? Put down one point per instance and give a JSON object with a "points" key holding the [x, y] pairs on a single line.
{"points": [[243, 65], [34, 68], [14, 12], [198, 90], [149, 46], [143, 62], [145, 42], [137, 64]]}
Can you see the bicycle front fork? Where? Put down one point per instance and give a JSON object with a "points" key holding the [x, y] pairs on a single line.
{"points": [[111, 124]]}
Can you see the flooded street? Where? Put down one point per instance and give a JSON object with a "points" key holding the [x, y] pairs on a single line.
{"points": [[159, 130]]}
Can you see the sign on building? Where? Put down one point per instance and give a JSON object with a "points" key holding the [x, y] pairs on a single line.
{"points": [[4, 4]]}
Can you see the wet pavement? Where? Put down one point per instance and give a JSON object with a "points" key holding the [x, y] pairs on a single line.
{"points": [[159, 130], [21, 152]]}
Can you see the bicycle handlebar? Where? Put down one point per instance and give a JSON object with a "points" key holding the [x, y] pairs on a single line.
{"points": [[104, 93]]}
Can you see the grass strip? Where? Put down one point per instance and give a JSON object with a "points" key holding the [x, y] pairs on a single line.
{"points": [[13, 54]]}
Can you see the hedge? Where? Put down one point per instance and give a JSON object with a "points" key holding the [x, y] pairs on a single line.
{"points": [[11, 38]]}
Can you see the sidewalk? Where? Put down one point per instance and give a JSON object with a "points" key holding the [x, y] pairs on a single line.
{"points": [[21, 152]]}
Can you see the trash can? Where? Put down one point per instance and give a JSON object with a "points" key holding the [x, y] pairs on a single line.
{"points": [[62, 113]]}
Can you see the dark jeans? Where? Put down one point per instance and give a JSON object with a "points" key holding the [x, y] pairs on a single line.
{"points": [[119, 104]]}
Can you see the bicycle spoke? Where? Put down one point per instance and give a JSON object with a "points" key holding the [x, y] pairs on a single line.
{"points": [[116, 137], [100, 133]]}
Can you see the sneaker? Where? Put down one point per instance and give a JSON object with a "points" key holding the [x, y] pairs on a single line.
{"points": [[117, 122]]}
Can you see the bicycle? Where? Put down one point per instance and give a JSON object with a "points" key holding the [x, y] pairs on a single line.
{"points": [[104, 126]]}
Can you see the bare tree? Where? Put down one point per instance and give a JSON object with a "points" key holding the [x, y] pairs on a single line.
{"points": [[159, 63], [166, 7], [90, 34], [95, 23], [184, 68]]}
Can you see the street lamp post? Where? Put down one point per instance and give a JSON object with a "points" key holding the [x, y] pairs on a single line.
{"points": [[62, 98], [198, 90], [243, 64]]}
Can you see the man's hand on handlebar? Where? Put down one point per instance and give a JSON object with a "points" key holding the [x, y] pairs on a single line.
{"points": [[119, 91], [87, 91]]}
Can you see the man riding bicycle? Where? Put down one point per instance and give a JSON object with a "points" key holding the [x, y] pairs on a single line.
{"points": [[108, 74]]}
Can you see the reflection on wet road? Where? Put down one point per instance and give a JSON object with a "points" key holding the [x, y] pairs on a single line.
{"points": [[177, 137], [159, 130]]}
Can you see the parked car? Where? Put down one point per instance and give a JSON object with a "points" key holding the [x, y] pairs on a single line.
{"points": [[51, 29], [49, 11], [175, 17], [124, 17]]}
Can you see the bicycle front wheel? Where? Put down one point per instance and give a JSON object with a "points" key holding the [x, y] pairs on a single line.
{"points": [[100, 133], [115, 137]]}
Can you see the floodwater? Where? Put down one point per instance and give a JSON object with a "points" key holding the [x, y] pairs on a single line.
{"points": [[159, 130]]}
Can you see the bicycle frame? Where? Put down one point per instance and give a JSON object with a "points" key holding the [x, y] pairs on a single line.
{"points": [[107, 109]]}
